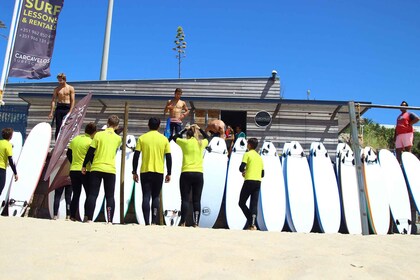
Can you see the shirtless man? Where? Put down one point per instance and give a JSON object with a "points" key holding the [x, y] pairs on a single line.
{"points": [[175, 107], [64, 96], [216, 128]]}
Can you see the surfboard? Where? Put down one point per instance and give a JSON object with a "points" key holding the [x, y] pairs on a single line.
{"points": [[171, 195], [214, 172], [16, 142], [349, 190], [376, 194], [327, 199], [300, 209], [411, 167], [234, 215], [138, 199], [30, 165], [341, 148], [399, 201], [128, 181], [272, 203]]}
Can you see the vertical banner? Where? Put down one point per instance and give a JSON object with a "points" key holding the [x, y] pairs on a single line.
{"points": [[34, 39], [68, 131]]}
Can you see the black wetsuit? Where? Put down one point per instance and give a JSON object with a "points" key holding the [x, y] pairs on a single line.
{"points": [[61, 111]]}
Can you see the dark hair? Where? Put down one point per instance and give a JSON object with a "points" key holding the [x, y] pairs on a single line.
{"points": [[7, 133], [178, 90], [154, 123], [404, 103], [190, 133], [253, 142], [90, 128], [113, 120]]}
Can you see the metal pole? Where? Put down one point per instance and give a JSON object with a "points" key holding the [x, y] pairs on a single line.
{"points": [[105, 53], [123, 153], [358, 163], [10, 40]]}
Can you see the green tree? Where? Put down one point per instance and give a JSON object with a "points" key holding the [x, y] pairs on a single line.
{"points": [[180, 46]]}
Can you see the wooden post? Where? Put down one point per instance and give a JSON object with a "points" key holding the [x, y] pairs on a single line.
{"points": [[358, 163], [123, 146]]}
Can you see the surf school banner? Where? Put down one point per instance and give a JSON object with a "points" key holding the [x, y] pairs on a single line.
{"points": [[34, 39], [68, 131]]}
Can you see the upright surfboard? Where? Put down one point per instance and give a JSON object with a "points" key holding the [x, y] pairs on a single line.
{"points": [[411, 165], [341, 148], [171, 195], [349, 190], [234, 215], [214, 172], [30, 165], [376, 194], [327, 199], [17, 142], [300, 195], [138, 199], [399, 201], [128, 185], [272, 202]]}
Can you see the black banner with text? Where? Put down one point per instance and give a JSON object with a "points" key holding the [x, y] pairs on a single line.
{"points": [[34, 40]]}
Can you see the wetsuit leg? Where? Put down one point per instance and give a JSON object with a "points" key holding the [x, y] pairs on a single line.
{"points": [[95, 179], [2, 179], [147, 192], [60, 112], [57, 198], [157, 181], [109, 185], [197, 189], [185, 189], [76, 182], [68, 191]]}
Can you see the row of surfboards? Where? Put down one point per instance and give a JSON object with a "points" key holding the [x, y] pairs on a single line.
{"points": [[298, 189]]}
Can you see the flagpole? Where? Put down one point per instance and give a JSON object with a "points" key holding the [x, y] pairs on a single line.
{"points": [[105, 53], [10, 40]]}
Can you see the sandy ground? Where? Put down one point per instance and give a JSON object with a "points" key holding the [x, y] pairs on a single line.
{"points": [[46, 249]]}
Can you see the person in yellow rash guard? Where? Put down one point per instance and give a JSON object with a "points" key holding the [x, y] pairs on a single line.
{"points": [[252, 169], [6, 153], [191, 180], [155, 149], [76, 153], [101, 154]]}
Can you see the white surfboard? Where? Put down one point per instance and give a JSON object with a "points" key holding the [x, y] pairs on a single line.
{"points": [[300, 197], [341, 148], [349, 190], [376, 194], [327, 199], [272, 203], [30, 165], [399, 201], [171, 195], [17, 143], [128, 185], [214, 172], [411, 165], [138, 199], [234, 215]]}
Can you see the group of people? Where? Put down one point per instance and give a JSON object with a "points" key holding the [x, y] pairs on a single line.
{"points": [[92, 157]]}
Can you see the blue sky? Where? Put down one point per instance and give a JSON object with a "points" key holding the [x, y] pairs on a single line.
{"points": [[340, 50]]}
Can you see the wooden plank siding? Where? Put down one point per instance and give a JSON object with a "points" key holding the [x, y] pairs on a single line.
{"points": [[300, 120]]}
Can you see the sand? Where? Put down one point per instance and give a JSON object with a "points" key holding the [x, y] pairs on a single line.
{"points": [[46, 249]]}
